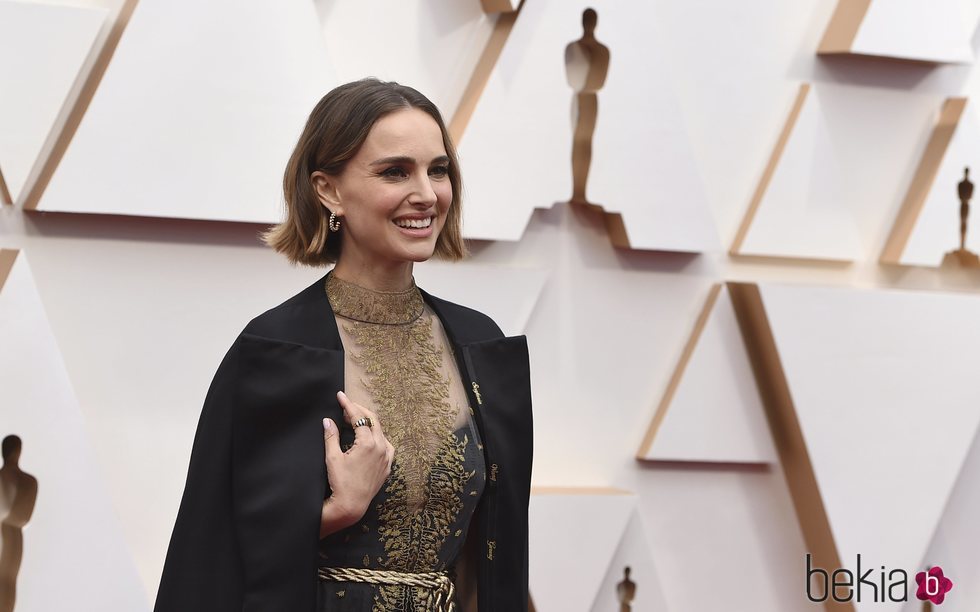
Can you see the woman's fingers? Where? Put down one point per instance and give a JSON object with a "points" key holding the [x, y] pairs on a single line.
{"points": [[352, 412], [331, 441], [389, 456]]}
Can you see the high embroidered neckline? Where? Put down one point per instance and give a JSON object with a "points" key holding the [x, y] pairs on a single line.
{"points": [[352, 301]]}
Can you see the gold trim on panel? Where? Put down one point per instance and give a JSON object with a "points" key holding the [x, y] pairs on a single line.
{"points": [[678, 373], [7, 257], [481, 73], [770, 378], [922, 180], [5, 197], [843, 27], [497, 6], [79, 107], [770, 170]]}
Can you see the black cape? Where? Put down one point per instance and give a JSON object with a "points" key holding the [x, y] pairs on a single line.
{"points": [[247, 532]]}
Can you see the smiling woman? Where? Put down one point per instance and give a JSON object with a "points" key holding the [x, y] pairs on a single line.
{"points": [[364, 445]]}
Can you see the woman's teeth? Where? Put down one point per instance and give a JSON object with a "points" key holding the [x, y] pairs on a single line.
{"points": [[416, 223]]}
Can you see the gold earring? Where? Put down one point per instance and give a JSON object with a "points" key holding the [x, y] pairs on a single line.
{"points": [[333, 223]]}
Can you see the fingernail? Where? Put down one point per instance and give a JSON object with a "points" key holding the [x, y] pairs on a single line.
{"points": [[327, 424]]}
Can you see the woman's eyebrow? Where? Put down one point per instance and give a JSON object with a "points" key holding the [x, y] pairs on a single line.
{"points": [[404, 159], [397, 159]]}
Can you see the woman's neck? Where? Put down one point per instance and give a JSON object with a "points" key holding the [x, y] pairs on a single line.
{"points": [[394, 277]]}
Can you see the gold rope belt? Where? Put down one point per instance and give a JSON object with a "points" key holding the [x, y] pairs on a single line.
{"points": [[437, 590]]}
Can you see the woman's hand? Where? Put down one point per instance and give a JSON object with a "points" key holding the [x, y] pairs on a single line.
{"points": [[355, 476]]}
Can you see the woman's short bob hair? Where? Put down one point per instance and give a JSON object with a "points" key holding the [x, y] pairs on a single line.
{"points": [[334, 132]]}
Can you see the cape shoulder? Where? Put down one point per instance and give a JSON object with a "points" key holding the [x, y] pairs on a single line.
{"points": [[307, 318]]}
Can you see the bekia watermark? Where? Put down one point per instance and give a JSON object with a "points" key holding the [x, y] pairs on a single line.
{"points": [[843, 585]]}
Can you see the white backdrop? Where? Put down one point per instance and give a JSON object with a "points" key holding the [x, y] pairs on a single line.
{"points": [[143, 308]]}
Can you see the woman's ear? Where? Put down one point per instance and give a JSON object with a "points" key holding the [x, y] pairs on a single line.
{"points": [[326, 190]]}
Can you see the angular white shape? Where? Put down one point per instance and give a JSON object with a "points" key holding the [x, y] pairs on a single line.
{"points": [[634, 552], [197, 113], [435, 50], [642, 163], [937, 228], [804, 212], [573, 536], [925, 30], [42, 49], [74, 532], [716, 414], [885, 389], [521, 126], [479, 287]]}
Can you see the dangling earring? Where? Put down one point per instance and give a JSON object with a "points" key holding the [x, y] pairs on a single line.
{"points": [[333, 223]]}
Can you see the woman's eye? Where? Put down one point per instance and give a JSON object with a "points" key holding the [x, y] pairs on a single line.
{"points": [[394, 172], [440, 170]]}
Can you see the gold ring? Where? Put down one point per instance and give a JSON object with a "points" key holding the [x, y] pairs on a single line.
{"points": [[363, 421]]}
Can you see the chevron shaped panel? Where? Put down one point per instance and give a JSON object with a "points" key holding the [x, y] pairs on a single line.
{"points": [[642, 170], [711, 411], [479, 286], [438, 48], [42, 49], [634, 552], [928, 224], [574, 534], [197, 112], [73, 538], [872, 401], [798, 209], [936, 31]]}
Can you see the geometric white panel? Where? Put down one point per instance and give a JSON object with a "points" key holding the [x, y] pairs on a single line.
{"points": [[197, 112], [803, 211], [885, 390], [633, 552], [573, 536], [42, 48], [937, 227], [478, 286], [74, 555], [438, 47], [643, 164], [715, 414], [924, 30], [522, 126]]}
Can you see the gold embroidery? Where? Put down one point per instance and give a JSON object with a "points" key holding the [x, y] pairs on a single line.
{"points": [[476, 392], [491, 546], [412, 540], [352, 301], [392, 342], [412, 397]]}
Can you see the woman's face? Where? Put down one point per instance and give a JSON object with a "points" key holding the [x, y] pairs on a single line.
{"points": [[394, 195]]}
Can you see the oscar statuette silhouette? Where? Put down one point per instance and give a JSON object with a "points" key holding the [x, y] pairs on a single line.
{"points": [[586, 64], [963, 257], [18, 495], [626, 591]]}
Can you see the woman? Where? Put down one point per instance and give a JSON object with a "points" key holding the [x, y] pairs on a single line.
{"points": [[364, 445]]}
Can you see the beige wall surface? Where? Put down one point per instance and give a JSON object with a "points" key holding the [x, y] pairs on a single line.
{"points": [[813, 341]]}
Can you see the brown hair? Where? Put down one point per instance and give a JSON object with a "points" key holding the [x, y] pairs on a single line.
{"points": [[337, 127]]}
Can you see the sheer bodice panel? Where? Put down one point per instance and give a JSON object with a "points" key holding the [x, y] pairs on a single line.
{"points": [[400, 365]]}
